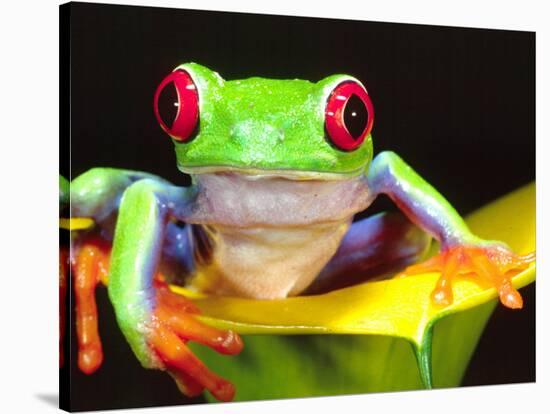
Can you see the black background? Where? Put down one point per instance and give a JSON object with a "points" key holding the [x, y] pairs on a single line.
{"points": [[457, 104]]}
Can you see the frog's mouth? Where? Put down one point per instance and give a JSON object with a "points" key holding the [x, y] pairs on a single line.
{"points": [[277, 199], [257, 173]]}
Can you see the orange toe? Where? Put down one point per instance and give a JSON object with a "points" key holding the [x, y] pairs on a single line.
{"points": [[491, 266], [173, 325]]}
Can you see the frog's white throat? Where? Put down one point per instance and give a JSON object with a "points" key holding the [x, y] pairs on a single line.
{"points": [[271, 235], [244, 200]]}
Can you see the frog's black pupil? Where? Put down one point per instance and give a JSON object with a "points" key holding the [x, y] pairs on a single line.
{"points": [[168, 104], [355, 116]]}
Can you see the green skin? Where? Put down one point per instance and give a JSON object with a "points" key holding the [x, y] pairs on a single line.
{"points": [[252, 127]]}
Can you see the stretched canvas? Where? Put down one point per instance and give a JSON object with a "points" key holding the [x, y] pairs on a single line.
{"points": [[257, 207]]}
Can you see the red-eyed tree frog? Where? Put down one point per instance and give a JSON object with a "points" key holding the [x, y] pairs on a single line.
{"points": [[279, 169]]}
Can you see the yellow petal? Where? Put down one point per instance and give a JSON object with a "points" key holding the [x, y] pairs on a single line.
{"points": [[76, 223]]}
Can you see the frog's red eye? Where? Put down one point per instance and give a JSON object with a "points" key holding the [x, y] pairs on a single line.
{"points": [[176, 105], [349, 116]]}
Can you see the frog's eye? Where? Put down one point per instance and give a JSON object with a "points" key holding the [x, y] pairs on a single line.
{"points": [[176, 105], [349, 116]]}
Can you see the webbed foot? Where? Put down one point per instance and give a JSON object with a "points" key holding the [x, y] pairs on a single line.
{"points": [[489, 264], [173, 324]]}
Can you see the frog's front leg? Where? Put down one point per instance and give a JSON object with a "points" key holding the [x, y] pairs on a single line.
{"points": [[93, 196], [156, 322], [462, 253]]}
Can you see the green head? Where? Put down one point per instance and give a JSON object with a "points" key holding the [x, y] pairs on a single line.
{"points": [[256, 125]]}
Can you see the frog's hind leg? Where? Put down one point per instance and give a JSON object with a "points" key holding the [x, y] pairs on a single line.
{"points": [[177, 264], [90, 266], [373, 247]]}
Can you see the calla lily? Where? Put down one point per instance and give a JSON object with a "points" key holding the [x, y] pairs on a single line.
{"points": [[377, 336]]}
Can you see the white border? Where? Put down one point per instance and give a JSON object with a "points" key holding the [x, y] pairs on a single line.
{"points": [[29, 162]]}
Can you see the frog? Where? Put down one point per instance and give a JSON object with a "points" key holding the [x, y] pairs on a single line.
{"points": [[279, 169]]}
